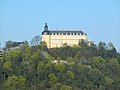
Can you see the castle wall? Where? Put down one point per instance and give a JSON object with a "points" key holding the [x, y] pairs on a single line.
{"points": [[58, 40]]}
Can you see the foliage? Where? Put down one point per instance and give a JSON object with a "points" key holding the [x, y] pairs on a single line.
{"points": [[52, 79], [83, 67], [14, 82], [7, 65], [36, 40], [60, 67], [65, 87]]}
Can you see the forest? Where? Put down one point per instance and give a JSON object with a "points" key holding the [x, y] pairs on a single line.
{"points": [[82, 67]]}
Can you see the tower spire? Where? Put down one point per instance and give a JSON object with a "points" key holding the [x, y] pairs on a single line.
{"points": [[45, 27]]}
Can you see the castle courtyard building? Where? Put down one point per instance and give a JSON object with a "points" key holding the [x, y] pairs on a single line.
{"points": [[56, 38]]}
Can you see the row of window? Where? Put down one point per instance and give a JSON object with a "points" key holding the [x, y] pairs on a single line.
{"points": [[67, 34], [70, 40]]}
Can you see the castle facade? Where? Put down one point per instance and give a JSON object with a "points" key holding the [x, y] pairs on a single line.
{"points": [[56, 38]]}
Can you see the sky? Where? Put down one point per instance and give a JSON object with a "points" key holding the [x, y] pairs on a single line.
{"points": [[23, 19]]}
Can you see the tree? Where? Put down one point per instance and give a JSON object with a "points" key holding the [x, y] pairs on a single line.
{"points": [[97, 61], [82, 43], [7, 69], [36, 40], [43, 45], [110, 46], [111, 50], [64, 45], [15, 83], [70, 75], [70, 60], [108, 80], [78, 68], [65, 87], [40, 68], [60, 67], [12, 55], [102, 49], [52, 79], [7, 65], [102, 45]]}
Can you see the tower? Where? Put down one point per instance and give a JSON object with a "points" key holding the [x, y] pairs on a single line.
{"points": [[45, 27], [46, 35]]}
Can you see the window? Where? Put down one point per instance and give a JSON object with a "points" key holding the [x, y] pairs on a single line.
{"points": [[68, 33], [64, 33]]}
